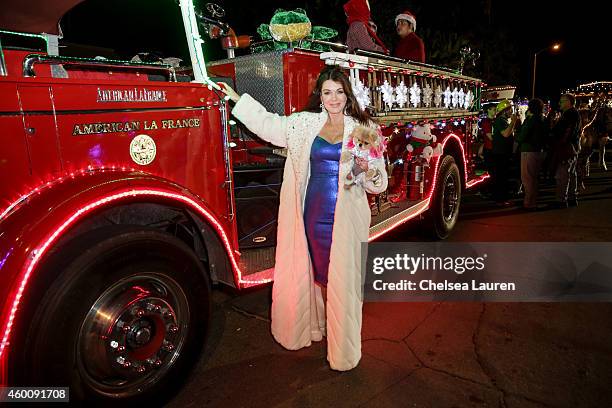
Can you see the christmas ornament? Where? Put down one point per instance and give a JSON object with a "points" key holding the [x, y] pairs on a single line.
{"points": [[461, 98], [469, 98], [415, 95], [401, 94], [447, 97], [361, 92], [438, 97], [455, 97], [387, 91], [427, 95]]}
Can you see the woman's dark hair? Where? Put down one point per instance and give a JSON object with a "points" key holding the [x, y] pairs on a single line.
{"points": [[352, 106], [536, 106]]}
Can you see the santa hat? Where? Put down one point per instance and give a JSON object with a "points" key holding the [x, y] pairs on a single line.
{"points": [[408, 16]]}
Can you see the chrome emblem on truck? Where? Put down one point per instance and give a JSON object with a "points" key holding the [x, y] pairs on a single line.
{"points": [[143, 150], [131, 95]]}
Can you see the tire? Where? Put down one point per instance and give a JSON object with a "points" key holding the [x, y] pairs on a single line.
{"points": [[124, 321], [444, 209]]}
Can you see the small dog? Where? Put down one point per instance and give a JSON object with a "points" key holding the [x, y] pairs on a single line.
{"points": [[365, 143]]}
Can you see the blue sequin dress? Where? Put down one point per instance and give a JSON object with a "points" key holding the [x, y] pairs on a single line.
{"points": [[320, 203]]}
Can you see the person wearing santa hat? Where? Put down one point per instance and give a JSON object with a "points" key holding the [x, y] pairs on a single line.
{"points": [[361, 33], [410, 46]]}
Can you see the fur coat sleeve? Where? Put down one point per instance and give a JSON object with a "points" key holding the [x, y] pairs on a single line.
{"points": [[271, 127]]}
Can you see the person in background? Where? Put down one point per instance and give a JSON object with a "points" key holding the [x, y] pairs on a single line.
{"points": [[532, 139], [361, 33], [566, 145], [486, 126], [410, 46], [503, 129]]}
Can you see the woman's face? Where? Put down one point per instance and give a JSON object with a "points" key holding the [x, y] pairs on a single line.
{"points": [[333, 96]]}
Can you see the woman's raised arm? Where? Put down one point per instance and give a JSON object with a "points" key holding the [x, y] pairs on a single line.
{"points": [[269, 126]]}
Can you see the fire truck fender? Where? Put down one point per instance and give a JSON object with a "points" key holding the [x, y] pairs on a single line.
{"points": [[59, 209], [453, 146], [39, 222], [448, 180]]}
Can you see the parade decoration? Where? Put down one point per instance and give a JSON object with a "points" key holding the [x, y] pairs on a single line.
{"points": [[423, 143], [288, 27], [415, 95], [388, 94], [469, 98], [461, 96], [497, 93], [447, 97], [467, 55], [594, 94], [427, 96], [438, 97], [361, 92], [401, 94], [455, 98]]}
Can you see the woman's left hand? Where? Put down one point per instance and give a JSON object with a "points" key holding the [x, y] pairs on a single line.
{"points": [[229, 91], [362, 163]]}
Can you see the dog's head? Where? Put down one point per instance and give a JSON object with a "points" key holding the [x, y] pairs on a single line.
{"points": [[366, 139]]}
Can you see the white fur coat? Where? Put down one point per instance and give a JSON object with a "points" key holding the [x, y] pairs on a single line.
{"points": [[298, 314]]}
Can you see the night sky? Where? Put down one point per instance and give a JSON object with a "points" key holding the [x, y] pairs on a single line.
{"points": [[506, 33]]}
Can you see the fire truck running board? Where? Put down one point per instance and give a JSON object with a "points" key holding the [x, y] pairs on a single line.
{"points": [[399, 213], [254, 260]]}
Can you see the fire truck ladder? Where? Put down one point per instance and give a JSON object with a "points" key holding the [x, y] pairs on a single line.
{"points": [[32, 59]]}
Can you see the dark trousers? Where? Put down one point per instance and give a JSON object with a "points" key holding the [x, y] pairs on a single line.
{"points": [[500, 171], [567, 180]]}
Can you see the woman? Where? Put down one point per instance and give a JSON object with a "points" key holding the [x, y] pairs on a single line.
{"points": [[532, 139], [311, 203], [361, 33]]}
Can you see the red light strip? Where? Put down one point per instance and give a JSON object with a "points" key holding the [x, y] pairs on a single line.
{"points": [[425, 205], [477, 181], [45, 185], [39, 252]]}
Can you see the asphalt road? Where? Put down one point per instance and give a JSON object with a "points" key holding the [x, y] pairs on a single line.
{"points": [[439, 354]]}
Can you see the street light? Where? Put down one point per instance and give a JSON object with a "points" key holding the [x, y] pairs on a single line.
{"points": [[554, 47]]}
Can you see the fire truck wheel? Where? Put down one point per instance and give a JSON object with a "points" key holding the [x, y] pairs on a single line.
{"points": [[125, 319], [444, 209]]}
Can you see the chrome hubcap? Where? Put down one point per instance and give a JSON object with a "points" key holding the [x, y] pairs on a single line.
{"points": [[133, 334]]}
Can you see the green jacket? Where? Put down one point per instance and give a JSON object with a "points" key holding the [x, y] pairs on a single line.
{"points": [[501, 144], [533, 134]]}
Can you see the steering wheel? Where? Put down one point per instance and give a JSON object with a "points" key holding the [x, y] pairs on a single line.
{"points": [[215, 10]]}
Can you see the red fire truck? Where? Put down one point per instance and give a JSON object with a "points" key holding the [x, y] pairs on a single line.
{"points": [[127, 191]]}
